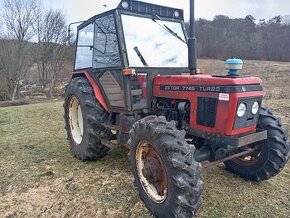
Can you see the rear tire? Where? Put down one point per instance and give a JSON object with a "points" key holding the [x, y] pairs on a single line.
{"points": [[85, 143], [273, 152], [181, 186]]}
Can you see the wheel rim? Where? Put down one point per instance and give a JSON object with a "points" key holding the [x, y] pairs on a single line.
{"points": [[76, 120], [151, 172], [251, 158]]}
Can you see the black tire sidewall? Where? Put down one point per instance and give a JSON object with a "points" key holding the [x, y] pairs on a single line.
{"points": [[90, 147], [274, 151], [75, 92], [154, 207], [252, 169], [184, 186]]}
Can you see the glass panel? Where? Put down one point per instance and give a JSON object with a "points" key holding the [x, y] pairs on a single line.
{"points": [[84, 54], [106, 50], [139, 91], [152, 42], [114, 92]]}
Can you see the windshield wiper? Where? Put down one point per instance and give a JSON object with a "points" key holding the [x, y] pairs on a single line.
{"points": [[142, 59], [164, 26]]}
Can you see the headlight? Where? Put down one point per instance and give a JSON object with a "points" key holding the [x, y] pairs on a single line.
{"points": [[125, 5], [176, 14], [255, 108], [242, 109]]}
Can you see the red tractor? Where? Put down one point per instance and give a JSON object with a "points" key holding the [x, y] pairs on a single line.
{"points": [[135, 83]]}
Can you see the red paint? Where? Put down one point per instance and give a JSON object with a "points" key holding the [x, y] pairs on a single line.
{"points": [[201, 79], [97, 91], [226, 110]]}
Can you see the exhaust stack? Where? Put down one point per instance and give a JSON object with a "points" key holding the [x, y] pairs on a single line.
{"points": [[192, 41]]}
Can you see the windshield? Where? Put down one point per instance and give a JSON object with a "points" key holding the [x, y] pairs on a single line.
{"points": [[149, 44]]}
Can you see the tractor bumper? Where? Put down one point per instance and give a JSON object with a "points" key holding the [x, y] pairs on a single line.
{"points": [[218, 147], [241, 141]]}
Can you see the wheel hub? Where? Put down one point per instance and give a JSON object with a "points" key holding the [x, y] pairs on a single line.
{"points": [[151, 172], [251, 158], [76, 120]]}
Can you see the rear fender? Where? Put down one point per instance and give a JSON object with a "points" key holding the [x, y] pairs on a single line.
{"points": [[98, 93]]}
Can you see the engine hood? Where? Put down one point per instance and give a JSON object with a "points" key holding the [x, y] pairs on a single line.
{"points": [[205, 80]]}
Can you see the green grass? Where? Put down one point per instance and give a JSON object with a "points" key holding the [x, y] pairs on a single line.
{"points": [[40, 177]]}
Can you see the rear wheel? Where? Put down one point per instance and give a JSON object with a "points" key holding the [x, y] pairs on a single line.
{"points": [[270, 156], [83, 117], [166, 175]]}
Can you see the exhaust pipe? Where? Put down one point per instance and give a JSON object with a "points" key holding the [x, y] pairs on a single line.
{"points": [[192, 41]]}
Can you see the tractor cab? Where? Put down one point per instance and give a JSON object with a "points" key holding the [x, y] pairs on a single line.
{"points": [[124, 48]]}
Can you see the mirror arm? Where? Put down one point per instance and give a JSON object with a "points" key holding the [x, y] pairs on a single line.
{"points": [[69, 32]]}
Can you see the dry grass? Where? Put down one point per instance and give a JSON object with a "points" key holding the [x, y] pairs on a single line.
{"points": [[40, 178]]}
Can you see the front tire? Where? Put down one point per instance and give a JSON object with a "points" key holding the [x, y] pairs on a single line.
{"points": [[166, 175], [83, 117], [271, 155]]}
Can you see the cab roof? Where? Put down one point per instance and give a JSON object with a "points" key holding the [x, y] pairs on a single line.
{"points": [[153, 9], [144, 8]]}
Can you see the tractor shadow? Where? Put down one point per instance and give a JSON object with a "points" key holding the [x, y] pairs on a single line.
{"points": [[115, 160]]}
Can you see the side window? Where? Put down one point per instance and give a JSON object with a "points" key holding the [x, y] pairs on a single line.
{"points": [[84, 52], [138, 85], [106, 49]]}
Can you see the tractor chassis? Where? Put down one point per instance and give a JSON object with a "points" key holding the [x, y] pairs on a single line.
{"points": [[218, 147]]}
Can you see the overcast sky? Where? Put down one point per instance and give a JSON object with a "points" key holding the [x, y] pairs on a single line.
{"points": [[77, 10]]}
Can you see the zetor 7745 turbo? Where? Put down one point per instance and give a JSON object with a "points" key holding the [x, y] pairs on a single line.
{"points": [[135, 83]]}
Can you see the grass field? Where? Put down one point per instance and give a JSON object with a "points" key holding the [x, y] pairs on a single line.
{"points": [[40, 178]]}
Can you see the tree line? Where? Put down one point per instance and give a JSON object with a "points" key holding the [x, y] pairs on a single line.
{"points": [[31, 38], [245, 38]]}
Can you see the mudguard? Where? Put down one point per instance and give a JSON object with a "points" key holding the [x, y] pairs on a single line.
{"points": [[98, 93]]}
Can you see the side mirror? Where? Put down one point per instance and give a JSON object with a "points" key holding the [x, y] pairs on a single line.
{"points": [[72, 33]]}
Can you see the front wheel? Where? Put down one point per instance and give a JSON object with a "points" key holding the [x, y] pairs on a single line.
{"points": [[166, 175], [270, 156]]}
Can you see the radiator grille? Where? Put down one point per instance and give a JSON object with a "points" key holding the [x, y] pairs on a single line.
{"points": [[206, 111]]}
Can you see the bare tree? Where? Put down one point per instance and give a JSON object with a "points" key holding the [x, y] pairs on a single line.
{"points": [[3, 85], [18, 17], [14, 67], [52, 51]]}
